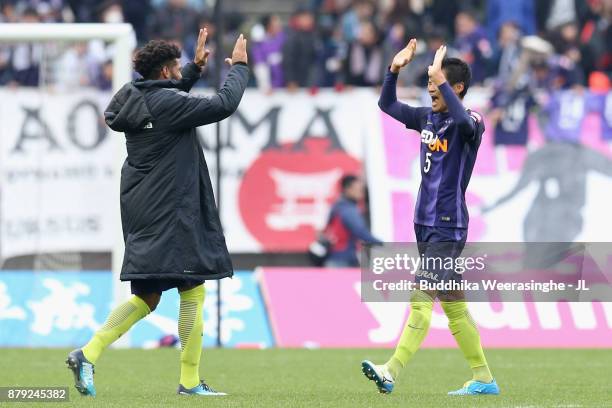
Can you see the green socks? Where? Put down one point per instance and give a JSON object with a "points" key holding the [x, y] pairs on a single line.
{"points": [[190, 326], [119, 321], [461, 325], [414, 332], [464, 330]]}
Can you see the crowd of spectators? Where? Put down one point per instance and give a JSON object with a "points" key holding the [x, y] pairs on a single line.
{"points": [[335, 43], [352, 42]]}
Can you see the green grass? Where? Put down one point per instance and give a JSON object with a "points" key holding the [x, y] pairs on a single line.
{"points": [[320, 378]]}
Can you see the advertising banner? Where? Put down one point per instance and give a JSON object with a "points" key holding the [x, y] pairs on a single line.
{"points": [[57, 162], [63, 309], [282, 159], [310, 307], [281, 166]]}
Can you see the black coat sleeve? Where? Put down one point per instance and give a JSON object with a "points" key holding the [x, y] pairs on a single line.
{"points": [[191, 74], [182, 110]]}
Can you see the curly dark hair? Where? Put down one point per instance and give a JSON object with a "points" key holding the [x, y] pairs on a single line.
{"points": [[151, 58]]}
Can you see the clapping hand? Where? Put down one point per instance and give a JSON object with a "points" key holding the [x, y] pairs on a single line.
{"points": [[403, 57]]}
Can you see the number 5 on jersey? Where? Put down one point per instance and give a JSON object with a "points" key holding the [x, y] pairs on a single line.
{"points": [[427, 165]]}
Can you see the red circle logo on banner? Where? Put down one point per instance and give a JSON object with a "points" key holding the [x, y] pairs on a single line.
{"points": [[286, 194]]}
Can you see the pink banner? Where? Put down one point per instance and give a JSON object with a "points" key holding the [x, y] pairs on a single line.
{"points": [[316, 307]]}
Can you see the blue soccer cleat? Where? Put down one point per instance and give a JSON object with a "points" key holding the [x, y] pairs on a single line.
{"points": [[83, 372], [380, 375], [474, 387], [201, 389]]}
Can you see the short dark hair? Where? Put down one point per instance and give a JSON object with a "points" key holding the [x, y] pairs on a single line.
{"points": [[347, 181], [457, 71], [155, 55]]}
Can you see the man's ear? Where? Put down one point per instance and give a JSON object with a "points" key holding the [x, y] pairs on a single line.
{"points": [[165, 72], [458, 87]]}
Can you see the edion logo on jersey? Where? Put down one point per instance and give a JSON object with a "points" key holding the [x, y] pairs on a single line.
{"points": [[433, 141]]}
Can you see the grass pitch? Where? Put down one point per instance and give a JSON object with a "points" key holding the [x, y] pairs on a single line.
{"points": [[320, 378]]}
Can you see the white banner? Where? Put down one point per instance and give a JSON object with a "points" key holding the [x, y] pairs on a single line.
{"points": [[283, 156], [57, 162]]}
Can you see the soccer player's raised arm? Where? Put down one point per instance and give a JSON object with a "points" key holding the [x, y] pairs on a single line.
{"points": [[455, 106], [388, 102], [187, 110]]}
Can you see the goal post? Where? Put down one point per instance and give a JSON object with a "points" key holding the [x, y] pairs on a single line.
{"points": [[121, 35], [123, 40]]}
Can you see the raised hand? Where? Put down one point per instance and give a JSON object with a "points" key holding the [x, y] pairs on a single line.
{"points": [[403, 57], [436, 75], [240, 52], [201, 52]]}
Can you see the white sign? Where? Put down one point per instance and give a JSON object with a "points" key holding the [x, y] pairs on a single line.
{"points": [[283, 155], [57, 164]]}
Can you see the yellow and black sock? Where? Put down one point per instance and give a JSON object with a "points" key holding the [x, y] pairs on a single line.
{"points": [[118, 322], [190, 327]]}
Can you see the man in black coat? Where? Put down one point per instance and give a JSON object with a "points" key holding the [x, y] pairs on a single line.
{"points": [[171, 227]]}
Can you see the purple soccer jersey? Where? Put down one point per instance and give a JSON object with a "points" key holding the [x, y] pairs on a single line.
{"points": [[449, 145], [270, 52], [566, 112], [448, 156], [512, 129]]}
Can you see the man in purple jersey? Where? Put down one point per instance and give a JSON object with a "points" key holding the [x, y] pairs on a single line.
{"points": [[565, 113], [450, 137], [268, 55], [510, 114]]}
